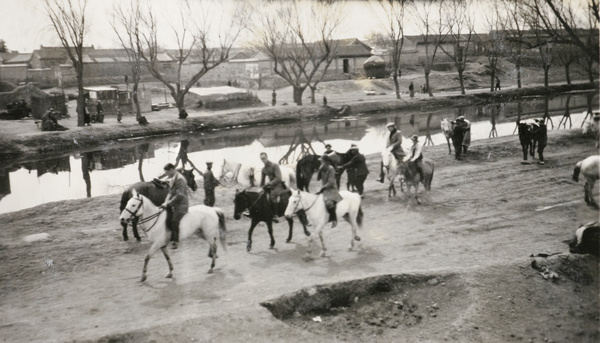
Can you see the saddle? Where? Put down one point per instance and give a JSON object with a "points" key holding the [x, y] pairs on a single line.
{"points": [[160, 184]]}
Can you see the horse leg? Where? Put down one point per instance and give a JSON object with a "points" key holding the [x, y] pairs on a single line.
{"points": [[249, 243], [354, 225], [591, 185], [524, 147], [270, 229], [586, 193], [164, 251], [323, 247], [291, 226], [134, 223], [532, 148], [541, 153], [124, 225], [153, 249], [417, 194], [212, 253], [449, 147]]}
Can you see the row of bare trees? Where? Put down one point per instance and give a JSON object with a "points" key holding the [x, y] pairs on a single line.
{"points": [[567, 30], [299, 36]]}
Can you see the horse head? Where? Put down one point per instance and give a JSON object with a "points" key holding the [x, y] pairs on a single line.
{"points": [[240, 203], [294, 204], [133, 207], [190, 178]]}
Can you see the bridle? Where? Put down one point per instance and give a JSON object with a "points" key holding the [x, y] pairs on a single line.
{"points": [[300, 202], [147, 219]]}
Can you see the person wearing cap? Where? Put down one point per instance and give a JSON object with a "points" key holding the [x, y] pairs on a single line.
{"points": [[275, 188], [465, 126], [393, 145], [328, 149], [416, 154], [329, 188], [176, 202], [359, 164], [210, 183]]}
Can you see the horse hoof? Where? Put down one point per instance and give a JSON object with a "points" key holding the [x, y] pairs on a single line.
{"points": [[169, 276], [143, 278], [288, 240], [356, 238], [125, 239], [138, 239], [271, 247], [210, 271], [322, 254]]}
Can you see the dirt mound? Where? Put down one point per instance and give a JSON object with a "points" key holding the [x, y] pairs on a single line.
{"points": [[6, 86], [483, 305]]}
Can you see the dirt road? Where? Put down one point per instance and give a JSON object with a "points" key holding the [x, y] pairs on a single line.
{"points": [[487, 215]]}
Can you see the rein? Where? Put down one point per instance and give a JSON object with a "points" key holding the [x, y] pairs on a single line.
{"points": [[300, 201], [147, 219]]}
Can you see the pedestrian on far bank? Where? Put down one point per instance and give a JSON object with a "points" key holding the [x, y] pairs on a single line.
{"points": [[210, 183], [497, 84], [411, 90], [324, 100], [273, 98], [87, 118], [119, 115]]}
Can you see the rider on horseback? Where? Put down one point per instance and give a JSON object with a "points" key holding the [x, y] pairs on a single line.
{"points": [[329, 188], [394, 146], [176, 202], [275, 188], [416, 155]]}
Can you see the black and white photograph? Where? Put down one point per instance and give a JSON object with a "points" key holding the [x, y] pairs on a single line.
{"points": [[299, 171]]}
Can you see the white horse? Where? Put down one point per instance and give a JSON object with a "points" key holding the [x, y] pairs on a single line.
{"points": [[591, 128], [248, 176], [206, 222], [391, 171], [446, 127], [316, 211], [590, 169]]}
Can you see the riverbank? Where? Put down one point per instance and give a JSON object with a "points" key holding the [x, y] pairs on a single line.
{"points": [[21, 143], [487, 215]]}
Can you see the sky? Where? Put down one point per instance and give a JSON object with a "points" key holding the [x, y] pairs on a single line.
{"points": [[24, 25]]}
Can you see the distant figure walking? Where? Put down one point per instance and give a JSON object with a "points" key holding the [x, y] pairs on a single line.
{"points": [[324, 100], [87, 118], [210, 183], [119, 115], [273, 98], [497, 84], [411, 90]]}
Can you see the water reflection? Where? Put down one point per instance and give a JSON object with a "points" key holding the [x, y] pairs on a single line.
{"points": [[109, 171], [567, 116]]}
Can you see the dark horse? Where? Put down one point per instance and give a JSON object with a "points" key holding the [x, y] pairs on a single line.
{"points": [[156, 191], [339, 159], [531, 134], [261, 211], [306, 167]]}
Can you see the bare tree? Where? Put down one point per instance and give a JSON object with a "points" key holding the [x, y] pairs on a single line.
{"points": [[433, 33], [193, 37], [126, 22], [298, 38], [68, 19], [3, 47], [514, 30], [460, 23], [495, 21], [544, 27], [394, 26], [567, 56]]}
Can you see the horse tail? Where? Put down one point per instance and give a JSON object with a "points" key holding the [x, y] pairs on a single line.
{"points": [[429, 178], [576, 172], [359, 217], [222, 228]]}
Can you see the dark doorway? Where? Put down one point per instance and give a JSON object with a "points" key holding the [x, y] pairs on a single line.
{"points": [[346, 66]]}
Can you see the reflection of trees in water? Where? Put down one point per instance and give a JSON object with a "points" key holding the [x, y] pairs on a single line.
{"points": [[87, 164], [547, 118], [182, 156], [590, 101], [567, 116], [300, 142], [53, 165], [5, 180], [142, 152], [428, 140], [494, 114]]}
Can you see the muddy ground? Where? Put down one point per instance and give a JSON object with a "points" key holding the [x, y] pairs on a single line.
{"points": [[487, 215]]}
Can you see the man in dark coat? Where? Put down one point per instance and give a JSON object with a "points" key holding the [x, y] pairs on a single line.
{"points": [[275, 188], [359, 164], [329, 189], [210, 182], [176, 202]]}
